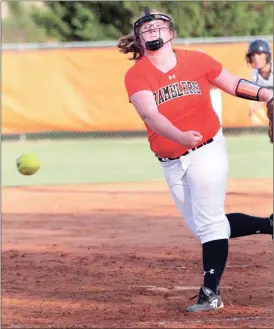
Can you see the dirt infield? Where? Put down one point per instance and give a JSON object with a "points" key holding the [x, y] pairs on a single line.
{"points": [[109, 256]]}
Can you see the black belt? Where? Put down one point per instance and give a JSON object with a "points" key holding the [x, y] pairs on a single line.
{"points": [[187, 152]]}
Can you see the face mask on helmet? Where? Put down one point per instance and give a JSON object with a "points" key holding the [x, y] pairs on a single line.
{"points": [[148, 17]]}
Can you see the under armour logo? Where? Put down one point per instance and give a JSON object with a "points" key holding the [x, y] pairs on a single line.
{"points": [[214, 303], [171, 77], [211, 271]]}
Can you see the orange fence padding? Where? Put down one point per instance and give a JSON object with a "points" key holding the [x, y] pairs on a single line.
{"points": [[83, 90]]}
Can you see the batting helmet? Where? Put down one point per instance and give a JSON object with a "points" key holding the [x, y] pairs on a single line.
{"points": [[258, 46]]}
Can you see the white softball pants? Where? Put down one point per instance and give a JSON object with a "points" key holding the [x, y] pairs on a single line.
{"points": [[198, 184]]}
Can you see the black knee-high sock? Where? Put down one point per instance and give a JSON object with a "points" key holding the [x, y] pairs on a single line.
{"points": [[214, 260], [243, 225]]}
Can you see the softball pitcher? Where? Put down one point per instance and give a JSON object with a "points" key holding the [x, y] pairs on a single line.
{"points": [[170, 90]]}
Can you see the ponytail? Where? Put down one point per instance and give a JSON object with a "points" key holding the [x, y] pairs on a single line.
{"points": [[128, 44]]}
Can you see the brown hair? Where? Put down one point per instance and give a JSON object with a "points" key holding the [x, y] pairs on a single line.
{"points": [[128, 44]]}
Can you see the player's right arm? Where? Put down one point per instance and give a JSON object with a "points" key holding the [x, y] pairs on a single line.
{"points": [[142, 98], [145, 105]]}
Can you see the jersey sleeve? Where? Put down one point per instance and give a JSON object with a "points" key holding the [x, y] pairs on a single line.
{"points": [[135, 83], [212, 67]]}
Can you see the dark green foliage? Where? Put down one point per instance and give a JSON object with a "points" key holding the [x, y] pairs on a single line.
{"points": [[107, 20]]}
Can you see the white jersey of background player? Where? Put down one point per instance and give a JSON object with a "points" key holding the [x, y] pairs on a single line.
{"points": [[266, 81], [259, 57]]}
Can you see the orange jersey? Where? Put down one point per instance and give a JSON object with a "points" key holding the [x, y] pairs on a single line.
{"points": [[182, 96]]}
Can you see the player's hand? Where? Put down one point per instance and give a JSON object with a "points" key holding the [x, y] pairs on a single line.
{"points": [[191, 138]]}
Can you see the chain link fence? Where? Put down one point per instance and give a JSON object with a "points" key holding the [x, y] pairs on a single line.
{"points": [[97, 155], [18, 49]]}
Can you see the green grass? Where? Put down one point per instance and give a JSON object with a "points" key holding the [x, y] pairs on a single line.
{"points": [[250, 156], [95, 161]]}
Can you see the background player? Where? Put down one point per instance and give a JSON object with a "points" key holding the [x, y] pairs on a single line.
{"points": [[170, 90], [259, 57]]}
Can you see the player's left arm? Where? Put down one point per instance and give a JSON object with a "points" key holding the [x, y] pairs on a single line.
{"points": [[229, 83], [246, 89], [242, 88], [254, 106]]}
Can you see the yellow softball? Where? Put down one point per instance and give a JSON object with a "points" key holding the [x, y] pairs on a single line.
{"points": [[28, 164]]}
